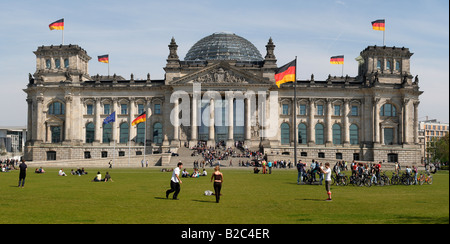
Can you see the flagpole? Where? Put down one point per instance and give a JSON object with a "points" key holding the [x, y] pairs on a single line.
{"points": [[129, 150], [295, 113], [108, 65], [114, 152], [63, 36], [145, 135]]}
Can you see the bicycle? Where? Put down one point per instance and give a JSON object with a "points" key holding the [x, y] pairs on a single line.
{"points": [[425, 178], [384, 179], [395, 179], [407, 179], [339, 180]]}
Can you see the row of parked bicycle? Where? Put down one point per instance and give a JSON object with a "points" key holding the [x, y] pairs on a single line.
{"points": [[370, 180]]}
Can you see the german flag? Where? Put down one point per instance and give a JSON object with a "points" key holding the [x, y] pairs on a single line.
{"points": [[337, 59], [141, 118], [104, 58], [378, 25], [286, 73], [57, 25]]}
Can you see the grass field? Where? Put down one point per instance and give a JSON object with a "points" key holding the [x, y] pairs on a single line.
{"points": [[138, 196]]}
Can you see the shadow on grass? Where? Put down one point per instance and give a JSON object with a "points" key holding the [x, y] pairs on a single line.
{"points": [[195, 200], [308, 199], [422, 220]]}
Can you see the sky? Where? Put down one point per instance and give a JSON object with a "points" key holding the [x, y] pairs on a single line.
{"points": [[136, 33]]}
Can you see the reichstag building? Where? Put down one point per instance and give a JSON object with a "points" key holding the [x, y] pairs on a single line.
{"points": [[370, 117]]}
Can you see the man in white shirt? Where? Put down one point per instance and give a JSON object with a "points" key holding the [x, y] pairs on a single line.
{"points": [[175, 182], [327, 172]]}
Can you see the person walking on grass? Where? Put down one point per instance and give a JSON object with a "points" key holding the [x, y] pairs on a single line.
{"points": [[218, 180], [327, 172], [175, 182], [23, 173]]}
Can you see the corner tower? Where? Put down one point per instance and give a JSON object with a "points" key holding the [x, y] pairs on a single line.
{"points": [[61, 63]]}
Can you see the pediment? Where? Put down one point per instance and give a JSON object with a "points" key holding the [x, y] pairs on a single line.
{"points": [[390, 121], [221, 74]]}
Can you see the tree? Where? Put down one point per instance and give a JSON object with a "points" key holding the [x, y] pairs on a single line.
{"points": [[442, 149]]}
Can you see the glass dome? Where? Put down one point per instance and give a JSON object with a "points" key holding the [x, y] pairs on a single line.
{"points": [[223, 46]]}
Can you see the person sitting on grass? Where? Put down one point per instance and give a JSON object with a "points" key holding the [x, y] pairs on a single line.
{"points": [[98, 177], [185, 174], [61, 173], [107, 177]]}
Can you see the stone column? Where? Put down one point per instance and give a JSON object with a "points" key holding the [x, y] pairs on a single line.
{"points": [[346, 125], [133, 129], [30, 128], [405, 121], [114, 124], [68, 119], [176, 118], [311, 136], [376, 121], [194, 127], [329, 126], [230, 141], [248, 123], [40, 132], [416, 122], [211, 123], [98, 122]]}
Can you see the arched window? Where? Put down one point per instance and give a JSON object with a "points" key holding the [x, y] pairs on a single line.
{"points": [[285, 133], [388, 65], [302, 136], [48, 64], [379, 64], [66, 63], [107, 133], [157, 133], [124, 133], [336, 134], [354, 135], [388, 110], [56, 108], [90, 132], [57, 63], [140, 133], [397, 65], [319, 134]]}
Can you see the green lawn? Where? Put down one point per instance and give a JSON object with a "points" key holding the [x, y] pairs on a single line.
{"points": [[138, 196]]}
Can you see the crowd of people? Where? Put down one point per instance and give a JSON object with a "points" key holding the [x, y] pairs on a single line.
{"points": [[8, 164]]}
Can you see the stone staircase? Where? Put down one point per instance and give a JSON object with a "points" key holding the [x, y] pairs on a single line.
{"points": [[119, 162], [185, 157]]}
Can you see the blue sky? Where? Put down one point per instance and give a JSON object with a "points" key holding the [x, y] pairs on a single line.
{"points": [[135, 33]]}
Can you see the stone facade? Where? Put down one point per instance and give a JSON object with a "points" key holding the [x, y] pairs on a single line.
{"points": [[370, 117]]}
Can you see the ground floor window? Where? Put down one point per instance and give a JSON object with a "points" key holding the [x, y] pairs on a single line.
{"points": [[392, 157], [51, 155]]}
